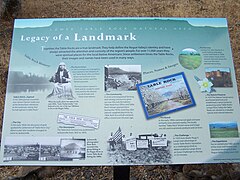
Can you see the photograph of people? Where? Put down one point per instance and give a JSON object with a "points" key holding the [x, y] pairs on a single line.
{"points": [[62, 83]]}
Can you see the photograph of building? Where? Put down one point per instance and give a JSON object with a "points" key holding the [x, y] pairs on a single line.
{"points": [[73, 149], [220, 77]]}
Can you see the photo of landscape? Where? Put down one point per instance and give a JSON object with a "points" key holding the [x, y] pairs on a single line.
{"points": [[190, 59], [165, 95], [223, 130], [122, 77]]}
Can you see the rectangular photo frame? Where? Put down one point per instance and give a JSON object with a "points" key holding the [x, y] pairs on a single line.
{"points": [[122, 77], [219, 76], [72, 149], [223, 130], [165, 95]]}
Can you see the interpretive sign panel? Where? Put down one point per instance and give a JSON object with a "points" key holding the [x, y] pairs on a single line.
{"points": [[120, 91]]}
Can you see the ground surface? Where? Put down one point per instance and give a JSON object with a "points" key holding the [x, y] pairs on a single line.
{"points": [[109, 8]]}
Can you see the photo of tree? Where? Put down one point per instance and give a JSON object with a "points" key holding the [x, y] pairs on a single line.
{"points": [[165, 95]]}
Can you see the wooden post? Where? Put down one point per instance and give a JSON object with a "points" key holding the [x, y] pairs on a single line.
{"points": [[121, 172]]}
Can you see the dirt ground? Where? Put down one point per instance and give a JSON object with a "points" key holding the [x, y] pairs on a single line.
{"points": [[111, 8]]}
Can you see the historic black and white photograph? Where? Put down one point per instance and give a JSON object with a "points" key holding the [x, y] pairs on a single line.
{"points": [[61, 83], [122, 77], [50, 152], [22, 82], [145, 148], [29, 149], [73, 149], [21, 149], [50, 149]]}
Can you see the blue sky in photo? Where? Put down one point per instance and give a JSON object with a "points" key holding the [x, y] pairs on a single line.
{"points": [[216, 69], [223, 125]]}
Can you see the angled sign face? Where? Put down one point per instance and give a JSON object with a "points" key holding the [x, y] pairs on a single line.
{"points": [[120, 91]]}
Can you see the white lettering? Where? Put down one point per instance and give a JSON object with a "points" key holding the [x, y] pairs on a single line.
{"points": [[34, 39], [105, 37]]}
